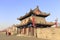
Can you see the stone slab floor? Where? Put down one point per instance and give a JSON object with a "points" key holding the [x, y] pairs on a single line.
{"points": [[14, 37]]}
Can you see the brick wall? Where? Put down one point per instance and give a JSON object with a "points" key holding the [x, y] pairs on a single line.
{"points": [[48, 33]]}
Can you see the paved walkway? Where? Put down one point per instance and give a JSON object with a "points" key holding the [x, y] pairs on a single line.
{"points": [[14, 37]]}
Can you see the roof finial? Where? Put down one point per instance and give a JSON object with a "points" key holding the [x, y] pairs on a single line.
{"points": [[37, 7]]}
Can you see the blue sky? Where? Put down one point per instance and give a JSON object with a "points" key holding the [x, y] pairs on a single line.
{"points": [[10, 10]]}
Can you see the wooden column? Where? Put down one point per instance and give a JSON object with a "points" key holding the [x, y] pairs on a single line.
{"points": [[17, 30], [35, 32], [27, 31], [32, 31], [20, 30], [24, 30]]}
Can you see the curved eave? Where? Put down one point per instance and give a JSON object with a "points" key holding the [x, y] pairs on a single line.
{"points": [[25, 16], [42, 15], [21, 18], [47, 24], [21, 25]]}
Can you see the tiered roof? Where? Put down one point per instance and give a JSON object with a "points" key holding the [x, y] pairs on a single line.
{"points": [[40, 23], [35, 12]]}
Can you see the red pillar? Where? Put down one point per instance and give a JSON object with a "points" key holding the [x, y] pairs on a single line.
{"points": [[33, 22], [56, 23]]}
